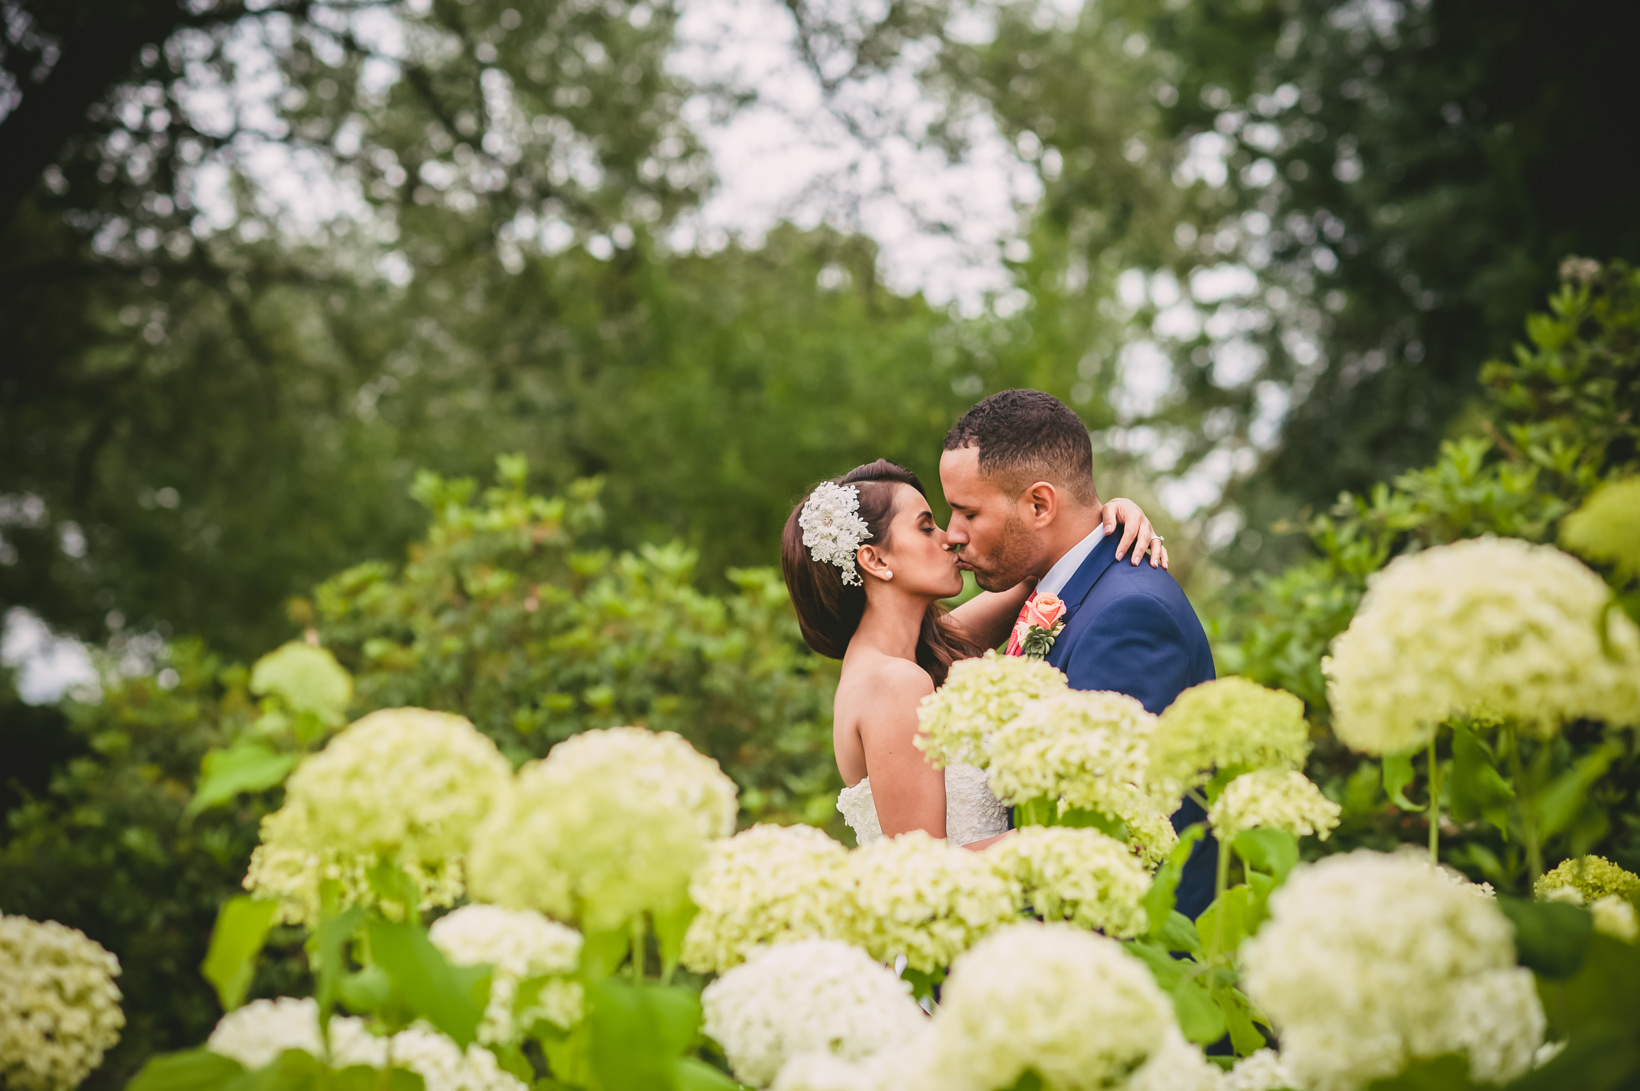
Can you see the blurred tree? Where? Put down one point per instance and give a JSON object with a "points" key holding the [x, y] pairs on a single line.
{"points": [[1404, 177]]}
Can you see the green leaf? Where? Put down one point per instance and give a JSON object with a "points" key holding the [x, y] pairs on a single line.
{"points": [[603, 952], [1077, 818], [450, 997], [1597, 1058], [1179, 934], [670, 928], [694, 1074], [307, 679], [1245, 1037], [1562, 800], [247, 766], [1397, 775], [1274, 852], [1166, 969], [1478, 789], [922, 983], [1159, 899], [1603, 994], [362, 1078], [1199, 1017], [328, 950], [242, 927], [193, 1070], [639, 1032], [1550, 937], [1236, 907]]}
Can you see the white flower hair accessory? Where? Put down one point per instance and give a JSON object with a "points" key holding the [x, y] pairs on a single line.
{"points": [[832, 528]]}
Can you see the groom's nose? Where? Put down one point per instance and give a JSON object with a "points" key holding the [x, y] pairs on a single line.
{"points": [[954, 536]]}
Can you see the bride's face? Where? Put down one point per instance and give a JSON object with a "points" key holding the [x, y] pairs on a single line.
{"points": [[915, 548]]}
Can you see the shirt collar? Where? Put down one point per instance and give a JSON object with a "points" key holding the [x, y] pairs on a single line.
{"points": [[1064, 568]]}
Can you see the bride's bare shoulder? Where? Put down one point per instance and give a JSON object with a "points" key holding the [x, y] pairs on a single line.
{"points": [[884, 679]]}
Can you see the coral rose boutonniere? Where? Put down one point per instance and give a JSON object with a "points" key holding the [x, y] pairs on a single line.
{"points": [[1039, 625]]}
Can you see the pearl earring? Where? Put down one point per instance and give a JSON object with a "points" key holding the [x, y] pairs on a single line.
{"points": [[887, 575]]}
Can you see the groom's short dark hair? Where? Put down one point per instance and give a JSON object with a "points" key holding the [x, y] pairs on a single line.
{"points": [[1025, 436]]}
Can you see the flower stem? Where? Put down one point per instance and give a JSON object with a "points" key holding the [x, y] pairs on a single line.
{"points": [[1434, 804], [1221, 883], [1527, 799], [637, 949]]}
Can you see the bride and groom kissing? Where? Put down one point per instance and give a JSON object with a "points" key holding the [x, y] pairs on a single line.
{"points": [[868, 568]]}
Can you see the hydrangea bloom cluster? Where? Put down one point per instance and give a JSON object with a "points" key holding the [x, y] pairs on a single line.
{"points": [[1616, 918], [1081, 876], [764, 885], [1491, 625], [519, 944], [256, 1034], [979, 697], [832, 528], [925, 899], [609, 825], [1071, 1006], [1607, 526], [807, 996], [1281, 799], [1594, 877], [59, 1006], [290, 865], [1262, 1070], [402, 784], [1228, 723], [1177, 1066], [1496, 1019], [1090, 751], [1369, 960]]}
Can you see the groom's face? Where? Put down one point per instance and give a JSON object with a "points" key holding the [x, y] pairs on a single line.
{"points": [[987, 526]]}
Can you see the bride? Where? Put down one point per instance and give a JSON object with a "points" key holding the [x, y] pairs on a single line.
{"points": [[868, 590]]}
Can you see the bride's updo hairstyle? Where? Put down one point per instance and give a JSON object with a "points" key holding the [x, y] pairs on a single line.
{"points": [[828, 610]]}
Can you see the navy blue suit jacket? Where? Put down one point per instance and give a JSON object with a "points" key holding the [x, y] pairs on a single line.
{"points": [[1133, 631]]}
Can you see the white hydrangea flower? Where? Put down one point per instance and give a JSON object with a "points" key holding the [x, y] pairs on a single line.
{"points": [[1615, 917], [1069, 1005], [290, 864], [1491, 625], [803, 997], [445, 1066], [256, 1034], [1177, 1066], [824, 1072], [401, 782], [1228, 723], [1364, 961], [59, 1006], [520, 944], [1077, 875], [609, 825], [1091, 751], [1280, 799], [980, 695], [925, 899], [764, 885], [1262, 1070], [832, 528], [1496, 1019]]}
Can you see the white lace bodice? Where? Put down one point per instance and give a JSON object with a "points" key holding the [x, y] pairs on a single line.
{"points": [[972, 813]]}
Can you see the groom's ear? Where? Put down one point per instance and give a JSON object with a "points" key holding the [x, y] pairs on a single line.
{"points": [[1042, 499]]}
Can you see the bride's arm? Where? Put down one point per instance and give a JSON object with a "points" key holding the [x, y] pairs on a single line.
{"points": [[988, 616], [909, 792]]}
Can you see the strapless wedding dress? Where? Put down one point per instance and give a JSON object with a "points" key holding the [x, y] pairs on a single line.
{"points": [[972, 813]]}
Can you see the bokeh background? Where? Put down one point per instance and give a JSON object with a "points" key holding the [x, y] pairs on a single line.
{"points": [[487, 344]]}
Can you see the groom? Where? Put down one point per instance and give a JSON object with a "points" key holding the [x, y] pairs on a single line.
{"points": [[1018, 474]]}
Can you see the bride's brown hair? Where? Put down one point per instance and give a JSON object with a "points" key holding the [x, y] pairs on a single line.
{"points": [[828, 610]]}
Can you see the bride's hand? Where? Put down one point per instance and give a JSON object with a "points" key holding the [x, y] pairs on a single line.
{"points": [[1135, 528]]}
